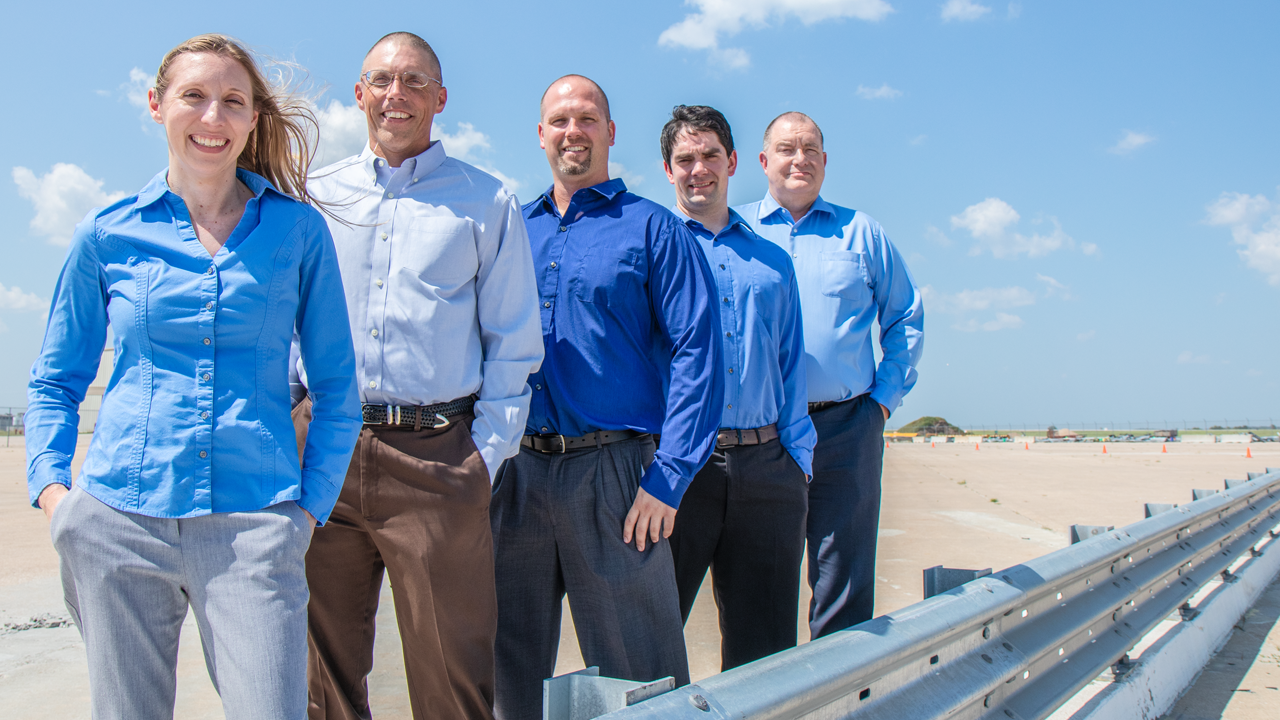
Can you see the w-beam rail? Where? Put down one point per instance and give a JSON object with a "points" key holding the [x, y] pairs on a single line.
{"points": [[1016, 644]]}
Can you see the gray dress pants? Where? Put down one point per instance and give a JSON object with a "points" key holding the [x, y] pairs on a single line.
{"points": [[557, 529], [128, 580]]}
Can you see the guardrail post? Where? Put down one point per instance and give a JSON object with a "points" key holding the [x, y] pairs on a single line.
{"points": [[584, 695], [1229, 483], [1084, 532], [1200, 494], [1154, 509], [938, 579]]}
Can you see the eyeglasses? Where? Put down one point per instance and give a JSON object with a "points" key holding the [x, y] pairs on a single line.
{"points": [[411, 79]]}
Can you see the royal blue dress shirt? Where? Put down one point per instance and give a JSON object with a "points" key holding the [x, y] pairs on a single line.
{"points": [[850, 276], [762, 334], [631, 341], [195, 418]]}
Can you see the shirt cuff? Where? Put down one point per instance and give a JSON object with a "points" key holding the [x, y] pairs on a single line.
{"points": [[50, 469], [803, 458], [887, 398], [492, 459], [319, 495], [664, 484]]}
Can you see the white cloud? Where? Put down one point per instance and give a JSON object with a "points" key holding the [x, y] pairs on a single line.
{"points": [[1054, 288], [963, 10], [1003, 321], [718, 19], [1015, 10], [990, 222], [1186, 357], [465, 144], [884, 92], [617, 170], [344, 131], [135, 91], [1255, 223], [1130, 142], [967, 301], [61, 198], [15, 298], [937, 236]]}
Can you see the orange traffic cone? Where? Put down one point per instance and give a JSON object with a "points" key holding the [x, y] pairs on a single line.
{"points": [[1104, 448], [1164, 448], [932, 444], [975, 446], [1248, 452], [1026, 446]]}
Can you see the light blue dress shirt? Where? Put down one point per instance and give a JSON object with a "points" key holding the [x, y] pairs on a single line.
{"points": [[439, 282], [763, 340], [195, 419], [850, 276]]}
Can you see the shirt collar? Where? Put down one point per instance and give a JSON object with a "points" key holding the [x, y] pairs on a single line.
{"points": [[769, 206], [423, 164], [735, 220], [159, 186], [606, 191]]}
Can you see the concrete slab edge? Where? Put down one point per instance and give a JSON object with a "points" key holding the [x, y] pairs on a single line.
{"points": [[1167, 668]]}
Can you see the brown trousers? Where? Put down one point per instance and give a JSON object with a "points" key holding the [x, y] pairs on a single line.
{"points": [[417, 505]]}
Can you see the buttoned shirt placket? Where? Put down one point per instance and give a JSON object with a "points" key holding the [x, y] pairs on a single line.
{"points": [[390, 183], [722, 270], [548, 292]]}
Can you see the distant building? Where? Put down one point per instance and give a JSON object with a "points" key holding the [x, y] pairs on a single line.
{"points": [[93, 398]]}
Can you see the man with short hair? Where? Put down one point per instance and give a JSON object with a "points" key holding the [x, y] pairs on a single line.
{"points": [[631, 352], [743, 515], [441, 296], [850, 276]]}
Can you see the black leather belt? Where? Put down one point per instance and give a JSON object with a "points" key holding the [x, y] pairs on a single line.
{"points": [[730, 437], [820, 406], [561, 444], [416, 417]]}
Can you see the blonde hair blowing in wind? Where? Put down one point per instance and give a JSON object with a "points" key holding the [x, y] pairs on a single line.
{"points": [[280, 148]]}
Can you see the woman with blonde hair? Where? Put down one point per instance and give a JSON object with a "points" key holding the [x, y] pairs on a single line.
{"points": [[192, 492]]}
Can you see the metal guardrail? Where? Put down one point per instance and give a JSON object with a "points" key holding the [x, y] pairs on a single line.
{"points": [[1016, 644]]}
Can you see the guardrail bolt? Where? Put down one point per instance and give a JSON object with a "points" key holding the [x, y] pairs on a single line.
{"points": [[700, 702]]}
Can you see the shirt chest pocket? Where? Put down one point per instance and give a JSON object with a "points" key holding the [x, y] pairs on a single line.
{"points": [[844, 275], [437, 251], [610, 277]]}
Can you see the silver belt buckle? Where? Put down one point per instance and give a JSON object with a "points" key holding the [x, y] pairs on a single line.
{"points": [[564, 445]]}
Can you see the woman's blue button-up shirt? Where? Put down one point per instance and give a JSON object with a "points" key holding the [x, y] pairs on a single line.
{"points": [[195, 418]]}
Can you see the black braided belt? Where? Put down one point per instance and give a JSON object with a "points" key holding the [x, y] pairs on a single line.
{"points": [[416, 417], [562, 444], [729, 437]]}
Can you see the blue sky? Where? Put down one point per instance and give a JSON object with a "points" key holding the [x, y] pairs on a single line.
{"points": [[1088, 191]]}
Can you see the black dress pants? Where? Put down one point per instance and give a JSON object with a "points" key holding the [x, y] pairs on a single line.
{"points": [[743, 517]]}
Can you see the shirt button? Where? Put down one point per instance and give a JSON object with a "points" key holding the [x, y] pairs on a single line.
{"points": [[544, 428], [378, 163], [207, 377], [730, 371], [204, 454], [209, 271], [562, 228], [553, 266], [204, 415], [391, 195], [537, 387], [373, 384], [729, 334], [374, 332], [206, 341], [415, 179], [726, 299], [383, 236], [546, 304], [730, 406], [379, 282], [722, 266], [208, 306]]}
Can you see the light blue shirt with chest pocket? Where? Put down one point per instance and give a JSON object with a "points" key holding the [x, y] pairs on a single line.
{"points": [[850, 276]]}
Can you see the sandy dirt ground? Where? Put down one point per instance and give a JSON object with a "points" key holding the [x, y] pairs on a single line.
{"points": [[950, 505]]}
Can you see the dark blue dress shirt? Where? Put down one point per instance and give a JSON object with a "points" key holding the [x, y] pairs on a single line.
{"points": [[631, 339]]}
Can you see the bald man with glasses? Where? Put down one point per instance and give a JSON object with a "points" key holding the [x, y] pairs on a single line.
{"points": [[440, 291]]}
